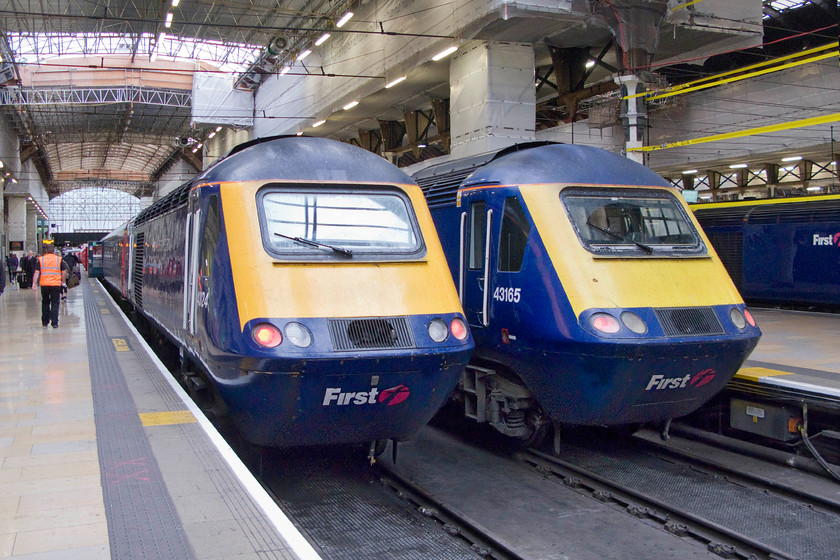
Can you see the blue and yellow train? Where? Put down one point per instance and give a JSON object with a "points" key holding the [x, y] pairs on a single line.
{"points": [[593, 296], [783, 251], [303, 282]]}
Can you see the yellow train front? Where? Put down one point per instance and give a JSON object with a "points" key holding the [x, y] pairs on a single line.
{"points": [[305, 285], [592, 294]]}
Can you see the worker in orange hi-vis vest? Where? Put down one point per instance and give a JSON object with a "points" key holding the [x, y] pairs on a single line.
{"points": [[51, 274]]}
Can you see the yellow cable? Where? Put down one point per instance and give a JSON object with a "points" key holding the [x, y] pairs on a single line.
{"points": [[686, 5], [741, 133]]}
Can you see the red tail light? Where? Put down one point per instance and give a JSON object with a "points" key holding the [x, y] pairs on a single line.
{"points": [[267, 335], [458, 329]]}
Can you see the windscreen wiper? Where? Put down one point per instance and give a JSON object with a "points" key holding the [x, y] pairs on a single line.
{"points": [[309, 242], [646, 248]]}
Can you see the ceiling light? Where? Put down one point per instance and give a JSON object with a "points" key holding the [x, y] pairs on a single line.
{"points": [[299, 133], [395, 82], [303, 55], [444, 53], [218, 129], [350, 105], [689, 172], [738, 166], [791, 168], [322, 39], [792, 158], [319, 123], [199, 145], [1, 164], [211, 135], [175, 3], [15, 180], [284, 70], [590, 63], [421, 145], [812, 189], [168, 22], [344, 19]]}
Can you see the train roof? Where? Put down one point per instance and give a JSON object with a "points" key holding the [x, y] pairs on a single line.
{"points": [[302, 158], [286, 158], [805, 209], [534, 162]]}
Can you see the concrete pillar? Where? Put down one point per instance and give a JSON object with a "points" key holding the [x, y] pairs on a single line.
{"points": [[32, 240], [492, 97], [633, 115], [16, 227]]}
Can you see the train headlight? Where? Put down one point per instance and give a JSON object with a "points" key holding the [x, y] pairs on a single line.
{"points": [[749, 317], [267, 335], [634, 322], [458, 328], [298, 334], [737, 318], [605, 323], [438, 331]]}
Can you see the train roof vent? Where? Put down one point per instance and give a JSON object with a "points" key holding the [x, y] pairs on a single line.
{"points": [[713, 217], [378, 333], [173, 200], [689, 321], [442, 190], [797, 212]]}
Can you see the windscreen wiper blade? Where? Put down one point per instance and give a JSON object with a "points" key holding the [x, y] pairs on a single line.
{"points": [[646, 248], [309, 242]]}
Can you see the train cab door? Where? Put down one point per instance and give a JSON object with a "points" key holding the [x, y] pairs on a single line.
{"points": [[476, 263], [191, 264]]}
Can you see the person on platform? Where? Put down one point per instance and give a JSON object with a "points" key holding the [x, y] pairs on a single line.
{"points": [[71, 260], [50, 274], [12, 265], [27, 264]]}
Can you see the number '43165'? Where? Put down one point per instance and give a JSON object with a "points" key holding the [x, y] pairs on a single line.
{"points": [[512, 295]]}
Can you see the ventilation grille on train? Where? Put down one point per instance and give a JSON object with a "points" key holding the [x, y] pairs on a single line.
{"points": [[139, 252], [689, 321], [370, 334]]}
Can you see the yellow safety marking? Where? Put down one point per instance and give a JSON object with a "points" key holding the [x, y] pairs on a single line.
{"points": [[121, 345], [105, 311], [802, 123], [756, 373], [167, 418], [699, 207]]}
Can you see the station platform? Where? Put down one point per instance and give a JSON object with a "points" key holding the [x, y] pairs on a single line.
{"points": [[798, 356], [102, 454]]}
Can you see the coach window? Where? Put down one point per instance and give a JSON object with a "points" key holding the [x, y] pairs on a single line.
{"points": [[478, 229], [514, 236], [209, 242]]}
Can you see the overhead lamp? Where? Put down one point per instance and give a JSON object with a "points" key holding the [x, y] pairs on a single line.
{"points": [[395, 82], [322, 39], [344, 19], [814, 189], [790, 168], [421, 145], [14, 180], [218, 129], [199, 145], [303, 55], [194, 150], [739, 166], [444, 53], [350, 105], [792, 158], [1, 164], [211, 135], [168, 22], [299, 133], [689, 172], [319, 123], [285, 70], [175, 3], [590, 63]]}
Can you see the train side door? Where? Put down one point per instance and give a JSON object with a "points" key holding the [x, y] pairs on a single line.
{"points": [[476, 265], [191, 263]]}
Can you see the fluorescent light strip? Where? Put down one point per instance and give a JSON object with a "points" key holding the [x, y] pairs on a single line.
{"points": [[303, 55], [319, 123], [395, 82], [445, 53], [168, 22], [792, 158], [322, 39], [350, 105], [344, 19]]}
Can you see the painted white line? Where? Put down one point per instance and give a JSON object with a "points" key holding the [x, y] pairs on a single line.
{"points": [[287, 531]]}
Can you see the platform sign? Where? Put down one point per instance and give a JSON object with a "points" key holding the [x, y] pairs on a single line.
{"points": [[121, 345]]}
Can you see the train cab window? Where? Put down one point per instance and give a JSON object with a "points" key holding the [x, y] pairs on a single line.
{"points": [[631, 222], [514, 236], [478, 229], [336, 224]]}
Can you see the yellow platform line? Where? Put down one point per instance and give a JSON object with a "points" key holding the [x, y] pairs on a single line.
{"points": [[756, 373], [165, 418]]}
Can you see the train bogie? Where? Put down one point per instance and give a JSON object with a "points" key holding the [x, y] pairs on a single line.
{"points": [[304, 279], [587, 285]]}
